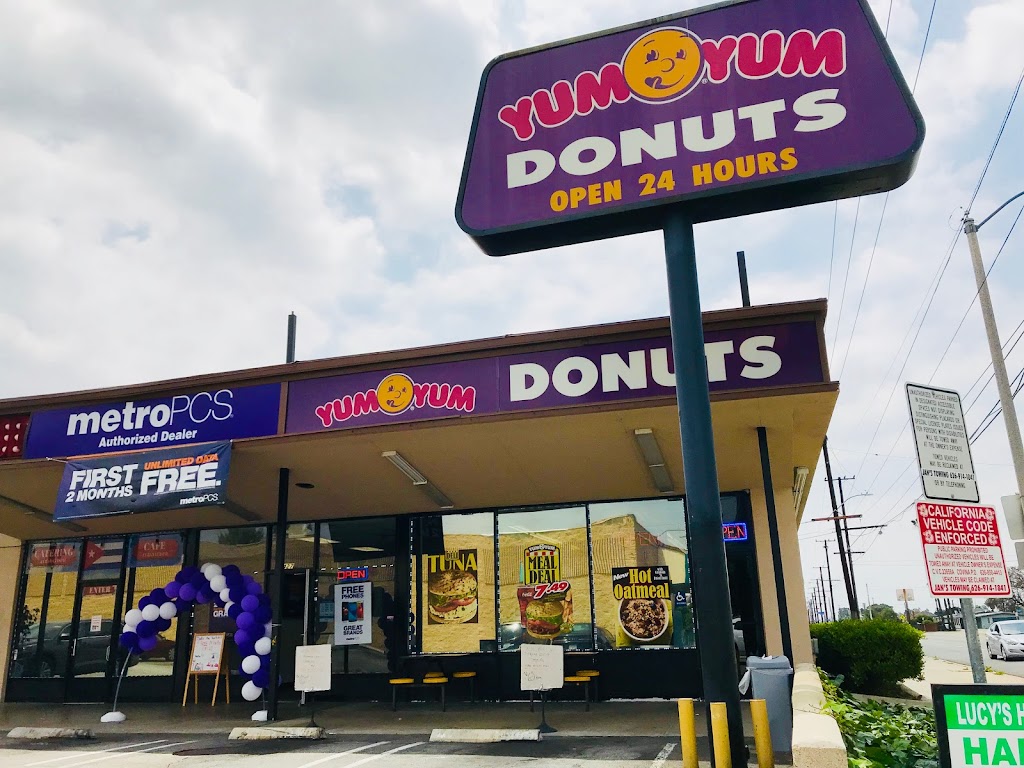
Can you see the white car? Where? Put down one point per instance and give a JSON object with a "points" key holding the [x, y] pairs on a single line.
{"points": [[1006, 640]]}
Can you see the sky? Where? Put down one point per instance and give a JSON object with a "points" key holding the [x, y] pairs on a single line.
{"points": [[178, 177]]}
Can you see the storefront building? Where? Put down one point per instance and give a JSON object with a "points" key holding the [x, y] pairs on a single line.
{"points": [[455, 480]]}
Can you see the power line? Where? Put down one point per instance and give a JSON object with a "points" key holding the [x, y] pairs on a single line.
{"points": [[995, 144]]}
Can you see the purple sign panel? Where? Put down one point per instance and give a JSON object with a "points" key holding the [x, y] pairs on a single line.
{"points": [[742, 107], [224, 414], [785, 354]]}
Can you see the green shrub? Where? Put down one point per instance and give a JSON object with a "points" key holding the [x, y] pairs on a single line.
{"points": [[872, 656], [881, 735]]}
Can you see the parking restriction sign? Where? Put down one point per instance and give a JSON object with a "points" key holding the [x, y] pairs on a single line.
{"points": [[962, 550]]}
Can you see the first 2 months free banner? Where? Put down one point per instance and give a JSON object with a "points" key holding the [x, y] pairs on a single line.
{"points": [[170, 478]]}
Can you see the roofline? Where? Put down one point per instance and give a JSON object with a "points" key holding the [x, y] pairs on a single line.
{"points": [[438, 353]]}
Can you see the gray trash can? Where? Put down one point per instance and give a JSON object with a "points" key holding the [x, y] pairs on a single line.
{"points": [[769, 679]]}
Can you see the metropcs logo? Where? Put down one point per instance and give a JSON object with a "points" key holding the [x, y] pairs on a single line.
{"points": [[192, 409], [667, 63], [396, 394]]}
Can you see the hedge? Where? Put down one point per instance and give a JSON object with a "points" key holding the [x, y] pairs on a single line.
{"points": [[871, 656]]}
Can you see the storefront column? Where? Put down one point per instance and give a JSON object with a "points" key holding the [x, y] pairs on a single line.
{"points": [[10, 559], [277, 595], [773, 534]]}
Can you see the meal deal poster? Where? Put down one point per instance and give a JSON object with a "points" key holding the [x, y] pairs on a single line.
{"points": [[545, 604], [644, 612], [352, 614], [452, 580], [144, 482]]}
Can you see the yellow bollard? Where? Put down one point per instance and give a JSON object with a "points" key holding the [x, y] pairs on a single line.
{"points": [[720, 734], [762, 734], [688, 733]]}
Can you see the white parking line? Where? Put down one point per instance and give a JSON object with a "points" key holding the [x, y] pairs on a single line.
{"points": [[663, 755], [135, 752], [93, 752], [341, 754], [371, 758]]}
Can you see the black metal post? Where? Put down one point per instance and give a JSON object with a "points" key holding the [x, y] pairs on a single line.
{"points": [[709, 572], [277, 593], [290, 350], [828, 570], [741, 263], [839, 531], [773, 534], [855, 605]]}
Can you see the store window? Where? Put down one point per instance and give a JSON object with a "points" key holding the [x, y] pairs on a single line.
{"points": [[153, 561], [357, 557], [453, 583], [642, 595], [245, 547], [544, 591], [50, 581]]}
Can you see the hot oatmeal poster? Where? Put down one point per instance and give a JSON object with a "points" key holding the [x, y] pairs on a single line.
{"points": [[644, 606]]}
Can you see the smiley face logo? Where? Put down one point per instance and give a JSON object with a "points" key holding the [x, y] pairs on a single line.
{"points": [[394, 393], [663, 65]]}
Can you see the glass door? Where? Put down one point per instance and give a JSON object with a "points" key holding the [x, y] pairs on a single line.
{"points": [[96, 622]]}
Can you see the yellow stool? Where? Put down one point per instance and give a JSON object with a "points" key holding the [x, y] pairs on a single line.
{"points": [[396, 683], [433, 674], [440, 682], [593, 674], [469, 675], [585, 682]]}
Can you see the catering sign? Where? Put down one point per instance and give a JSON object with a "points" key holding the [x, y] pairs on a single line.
{"points": [[171, 478], [740, 107], [780, 354], [179, 419], [962, 550]]}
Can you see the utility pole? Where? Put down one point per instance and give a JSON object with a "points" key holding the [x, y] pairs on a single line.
{"points": [[855, 605], [839, 531], [828, 569]]}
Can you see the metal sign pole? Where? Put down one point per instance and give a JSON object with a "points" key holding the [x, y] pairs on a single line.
{"points": [[703, 505]]}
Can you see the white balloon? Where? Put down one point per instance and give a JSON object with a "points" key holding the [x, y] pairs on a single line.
{"points": [[128, 628], [168, 610], [151, 612], [263, 646], [227, 605], [225, 595], [250, 664], [211, 571], [133, 617], [218, 583], [251, 691], [269, 626], [204, 568]]}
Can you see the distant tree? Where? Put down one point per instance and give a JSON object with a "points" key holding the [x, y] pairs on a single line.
{"points": [[882, 611], [238, 536], [1004, 604], [1016, 599]]}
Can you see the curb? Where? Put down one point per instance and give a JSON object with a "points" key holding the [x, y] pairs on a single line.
{"points": [[49, 733], [484, 735], [267, 733]]}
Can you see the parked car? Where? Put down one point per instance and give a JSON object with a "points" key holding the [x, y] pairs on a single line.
{"points": [[576, 639], [1006, 640], [51, 659], [162, 651]]}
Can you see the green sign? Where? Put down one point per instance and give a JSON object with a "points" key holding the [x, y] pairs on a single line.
{"points": [[980, 725]]}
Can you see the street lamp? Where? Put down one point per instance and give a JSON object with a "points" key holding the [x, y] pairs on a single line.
{"points": [[1005, 400]]}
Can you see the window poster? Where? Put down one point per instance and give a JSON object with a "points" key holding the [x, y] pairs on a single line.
{"points": [[452, 587], [644, 609], [545, 603], [352, 614]]}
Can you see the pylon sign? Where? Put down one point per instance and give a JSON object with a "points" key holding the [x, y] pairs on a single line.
{"points": [[737, 108]]}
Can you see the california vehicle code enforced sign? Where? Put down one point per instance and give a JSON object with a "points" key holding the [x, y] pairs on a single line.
{"points": [[962, 550]]}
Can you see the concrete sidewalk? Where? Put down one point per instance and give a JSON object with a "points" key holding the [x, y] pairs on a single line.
{"points": [[941, 672], [614, 718]]}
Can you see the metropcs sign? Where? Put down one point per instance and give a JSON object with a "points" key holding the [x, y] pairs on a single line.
{"points": [[737, 108]]}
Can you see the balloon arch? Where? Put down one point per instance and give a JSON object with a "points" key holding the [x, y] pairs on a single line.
{"points": [[240, 595]]}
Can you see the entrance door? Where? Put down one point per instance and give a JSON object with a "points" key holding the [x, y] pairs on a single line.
{"points": [[295, 622]]}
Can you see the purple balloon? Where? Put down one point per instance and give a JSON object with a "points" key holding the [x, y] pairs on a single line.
{"points": [[145, 629], [234, 580], [242, 638], [265, 662], [187, 593], [181, 577], [253, 588], [263, 614], [250, 603], [230, 570], [246, 650], [147, 643], [201, 597], [158, 596], [261, 678], [172, 589], [198, 581], [127, 640], [208, 591], [162, 625], [264, 599], [237, 594], [248, 579], [235, 610], [245, 621], [144, 601]]}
